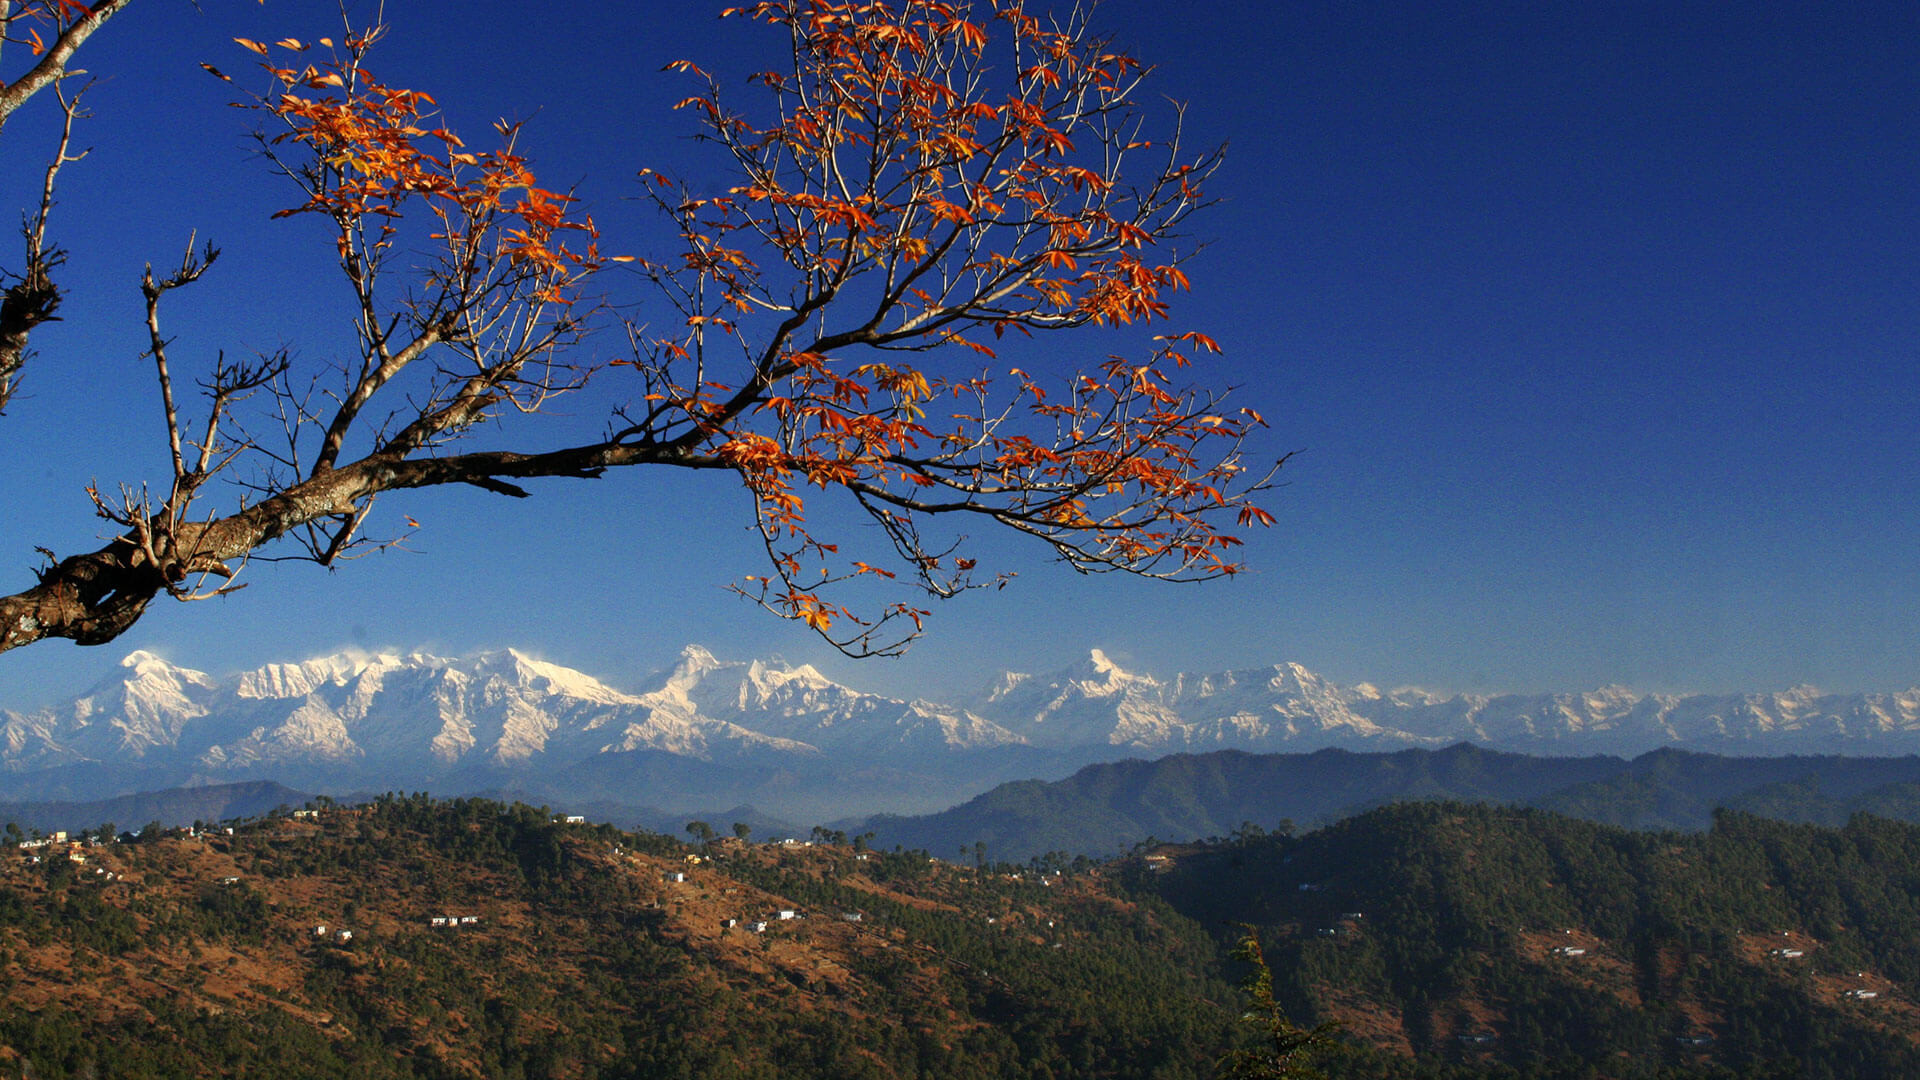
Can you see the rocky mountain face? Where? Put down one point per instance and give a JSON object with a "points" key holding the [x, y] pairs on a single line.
{"points": [[710, 730]]}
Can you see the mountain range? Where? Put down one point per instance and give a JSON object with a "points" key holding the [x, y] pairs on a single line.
{"points": [[709, 732]]}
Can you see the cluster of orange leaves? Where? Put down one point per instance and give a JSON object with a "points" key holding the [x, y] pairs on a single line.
{"points": [[374, 153], [963, 161], [1121, 457], [58, 14]]}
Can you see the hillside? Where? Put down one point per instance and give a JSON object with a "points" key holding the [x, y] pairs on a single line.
{"points": [[204, 955], [1451, 941], [1476, 936]]}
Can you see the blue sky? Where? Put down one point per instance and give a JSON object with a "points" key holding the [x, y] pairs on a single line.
{"points": [[1595, 327]]}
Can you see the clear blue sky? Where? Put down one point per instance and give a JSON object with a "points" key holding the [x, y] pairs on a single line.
{"points": [[1596, 326]]}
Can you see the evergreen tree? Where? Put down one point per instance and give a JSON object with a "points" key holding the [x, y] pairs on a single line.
{"points": [[1281, 1050]]}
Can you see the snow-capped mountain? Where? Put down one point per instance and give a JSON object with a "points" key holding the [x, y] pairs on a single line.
{"points": [[1097, 703], [765, 730], [1289, 708], [500, 719], [402, 716], [804, 707], [126, 717]]}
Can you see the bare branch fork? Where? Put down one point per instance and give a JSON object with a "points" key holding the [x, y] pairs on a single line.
{"points": [[32, 298]]}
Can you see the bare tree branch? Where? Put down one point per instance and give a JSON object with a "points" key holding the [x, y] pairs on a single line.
{"points": [[914, 192], [33, 298], [70, 29]]}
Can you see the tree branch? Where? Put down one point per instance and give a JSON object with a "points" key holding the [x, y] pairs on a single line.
{"points": [[53, 63], [34, 298]]}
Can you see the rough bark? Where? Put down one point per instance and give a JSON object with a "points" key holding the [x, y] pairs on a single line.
{"points": [[24, 305], [93, 598]]}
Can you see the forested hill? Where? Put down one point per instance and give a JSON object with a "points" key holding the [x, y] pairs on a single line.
{"points": [[1484, 937], [579, 951], [173, 806], [415, 938], [1106, 809]]}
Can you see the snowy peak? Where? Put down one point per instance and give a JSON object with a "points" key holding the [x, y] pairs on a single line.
{"points": [[1289, 707], [802, 707], [696, 660], [1098, 703], [1094, 703], [518, 669], [299, 680], [1099, 674], [142, 706], [143, 669]]}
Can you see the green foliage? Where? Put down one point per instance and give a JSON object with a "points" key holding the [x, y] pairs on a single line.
{"points": [[1281, 1051], [1448, 917]]}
